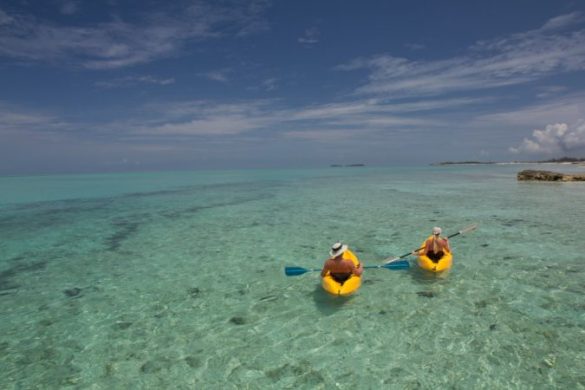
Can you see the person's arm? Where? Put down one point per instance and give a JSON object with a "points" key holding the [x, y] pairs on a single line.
{"points": [[359, 270], [325, 269], [421, 251], [447, 244]]}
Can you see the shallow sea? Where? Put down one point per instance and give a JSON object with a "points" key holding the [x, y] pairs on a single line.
{"points": [[176, 280]]}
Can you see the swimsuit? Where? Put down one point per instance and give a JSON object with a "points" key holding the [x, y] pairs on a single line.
{"points": [[340, 277]]}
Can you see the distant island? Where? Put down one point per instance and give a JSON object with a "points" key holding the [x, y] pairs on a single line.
{"points": [[348, 165], [561, 160]]}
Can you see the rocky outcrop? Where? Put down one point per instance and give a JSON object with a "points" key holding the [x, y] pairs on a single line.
{"points": [[532, 175]]}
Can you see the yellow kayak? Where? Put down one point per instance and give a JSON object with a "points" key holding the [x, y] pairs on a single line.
{"points": [[348, 287], [443, 264]]}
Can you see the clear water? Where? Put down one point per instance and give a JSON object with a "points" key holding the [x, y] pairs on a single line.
{"points": [[175, 280]]}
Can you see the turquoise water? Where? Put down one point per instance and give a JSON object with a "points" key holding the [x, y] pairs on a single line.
{"points": [[175, 280]]}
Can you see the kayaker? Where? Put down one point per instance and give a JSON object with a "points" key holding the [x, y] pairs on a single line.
{"points": [[339, 268], [434, 246]]}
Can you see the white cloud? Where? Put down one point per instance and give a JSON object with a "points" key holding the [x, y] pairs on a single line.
{"points": [[270, 84], [563, 109], [134, 80], [511, 60], [361, 108], [415, 46], [4, 18], [555, 138], [562, 21], [201, 118], [217, 75], [116, 44], [14, 119], [310, 37], [551, 90], [324, 135]]}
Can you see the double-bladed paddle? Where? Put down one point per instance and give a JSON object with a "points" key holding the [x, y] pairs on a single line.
{"points": [[392, 260], [395, 265]]}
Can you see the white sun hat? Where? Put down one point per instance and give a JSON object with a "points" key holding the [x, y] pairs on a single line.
{"points": [[337, 249], [437, 230]]}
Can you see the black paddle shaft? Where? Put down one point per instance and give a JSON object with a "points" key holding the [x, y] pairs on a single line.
{"points": [[422, 247]]}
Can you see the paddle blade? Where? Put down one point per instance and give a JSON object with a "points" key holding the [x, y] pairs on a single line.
{"points": [[468, 229], [295, 271], [464, 230], [396, 265]]}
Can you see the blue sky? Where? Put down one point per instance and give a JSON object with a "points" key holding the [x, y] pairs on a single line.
{"points": [[152, 85]]}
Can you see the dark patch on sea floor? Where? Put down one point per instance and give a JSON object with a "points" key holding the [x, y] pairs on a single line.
{"points": [[194, 292], [156, 365], [238, 320], [307, 376], [509, 222], [268, 298], [6, 276], [196, 209], [124, 229], [29, 218], [426, 294], [122, 325], [72, 292], [193, 361]]}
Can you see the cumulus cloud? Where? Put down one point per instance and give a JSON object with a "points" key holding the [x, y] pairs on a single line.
{"points": [[555, 138], [119, 43]]}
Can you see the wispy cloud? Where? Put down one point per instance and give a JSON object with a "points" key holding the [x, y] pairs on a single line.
{"points": [[4, 18], [130, 81], [118, 43], [202, 118], [550, 90], [554, 48], [16, 119], [270, 84], [324, 135], [563, 21], [415, 46], [205, 118], [220, 75], [193, 119], [310, 37], [569, 109]]}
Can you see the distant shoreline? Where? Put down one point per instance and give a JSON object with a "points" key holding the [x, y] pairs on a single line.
{"points": [[563, 160]]}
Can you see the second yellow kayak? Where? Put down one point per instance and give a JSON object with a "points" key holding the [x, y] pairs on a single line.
{"points": [[443, 264]]}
